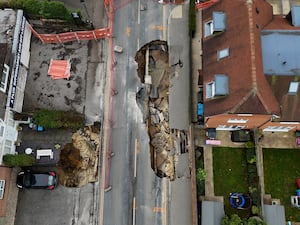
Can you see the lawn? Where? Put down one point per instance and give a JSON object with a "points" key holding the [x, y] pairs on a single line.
{"points": [[281, 168], [230, 175]]}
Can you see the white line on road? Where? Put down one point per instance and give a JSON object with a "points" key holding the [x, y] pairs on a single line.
{"points": [[139, 11], [133, 211], [135, 155], [165, 194], [164, 23]]}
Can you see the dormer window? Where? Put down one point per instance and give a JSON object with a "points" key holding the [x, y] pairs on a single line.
{"points": [[208, 28], [219, 21], [218, 87], [216, 25]]}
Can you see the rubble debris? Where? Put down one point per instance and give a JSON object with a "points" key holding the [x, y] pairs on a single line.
{"points": [[78, 163]]}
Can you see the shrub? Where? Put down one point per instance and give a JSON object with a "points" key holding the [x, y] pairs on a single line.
{"points": [[250, 154], [200, 177], [254, 210], [18, 160], [41, 8], [234, 219], [15, 4], [58, 119], [250, 144], [32, 6], [54, 10]]}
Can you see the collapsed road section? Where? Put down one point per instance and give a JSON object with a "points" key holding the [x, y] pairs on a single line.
{"points": [[165, 143]]}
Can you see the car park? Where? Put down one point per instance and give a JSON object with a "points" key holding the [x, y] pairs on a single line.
{"points": [[39, 180]]}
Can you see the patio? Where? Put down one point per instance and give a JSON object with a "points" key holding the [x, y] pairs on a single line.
{"points": [[54, 139]]}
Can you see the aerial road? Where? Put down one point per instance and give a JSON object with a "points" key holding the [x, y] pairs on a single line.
{"points": [[137, 195]]}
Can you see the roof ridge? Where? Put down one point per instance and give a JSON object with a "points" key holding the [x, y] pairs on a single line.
{"points": [[252, 45], [244, 99]]}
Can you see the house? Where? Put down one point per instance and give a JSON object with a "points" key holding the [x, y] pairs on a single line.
{"points": [[251, 66], [15, 39], [233, 76], [250, 60]]}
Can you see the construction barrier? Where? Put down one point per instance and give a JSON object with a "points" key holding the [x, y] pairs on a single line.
{"points": [[71, 36]]}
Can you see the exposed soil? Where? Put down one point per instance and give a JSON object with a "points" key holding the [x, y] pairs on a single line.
{"points": [[157, 101], [78, 163]]}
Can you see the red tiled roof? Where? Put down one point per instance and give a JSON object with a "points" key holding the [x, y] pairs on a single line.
{"points": [[5, 173], [251, 121], [280, 22], [248, 87]]}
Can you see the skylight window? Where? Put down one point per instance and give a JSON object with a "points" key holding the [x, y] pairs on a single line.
{"points": [[237, 121], [223, 53]]}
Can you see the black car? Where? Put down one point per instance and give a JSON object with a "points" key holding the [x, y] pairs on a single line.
{"points": [[41, 180]]}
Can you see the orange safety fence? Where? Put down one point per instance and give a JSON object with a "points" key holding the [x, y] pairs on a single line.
{"points": [[206, 4], [72, 36]]}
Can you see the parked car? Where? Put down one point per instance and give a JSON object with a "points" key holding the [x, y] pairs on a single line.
{"points": [[41, 180]]}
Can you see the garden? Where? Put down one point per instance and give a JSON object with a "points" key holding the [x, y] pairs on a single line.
{"points": [[235, 172], [281, 169]]}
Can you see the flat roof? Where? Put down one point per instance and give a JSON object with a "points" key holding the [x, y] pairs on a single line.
{"points": [[280, 51], [7, 20]]}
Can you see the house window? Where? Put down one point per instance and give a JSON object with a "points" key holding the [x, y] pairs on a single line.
{"points": [[7, 146], [1, 131], [4, 78], [208, 28], [2, 187], [223, 53], [218, 87], [210, 90]]}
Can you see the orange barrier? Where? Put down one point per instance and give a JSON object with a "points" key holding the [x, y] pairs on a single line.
{"points": [[72, 36], [205, 4]]}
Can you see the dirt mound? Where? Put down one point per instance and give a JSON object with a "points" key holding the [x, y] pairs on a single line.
{"points": [[78, 164]]}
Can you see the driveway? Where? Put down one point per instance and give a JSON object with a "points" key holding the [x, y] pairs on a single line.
{"points": [[61, 206]]}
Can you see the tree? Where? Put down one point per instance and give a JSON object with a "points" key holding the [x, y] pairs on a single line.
{"points": [[31, 6], [54, 10]]}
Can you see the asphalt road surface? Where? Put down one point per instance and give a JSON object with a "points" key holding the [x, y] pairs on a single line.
{"points": [[137, 195]]}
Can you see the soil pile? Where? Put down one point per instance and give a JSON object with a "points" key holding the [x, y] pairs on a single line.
{"points": [[78, 163]]}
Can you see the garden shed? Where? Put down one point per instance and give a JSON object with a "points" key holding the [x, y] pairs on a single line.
{"points": [[212, 212], [274, 214]]}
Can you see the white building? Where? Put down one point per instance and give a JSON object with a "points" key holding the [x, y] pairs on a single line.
{"points": [[15, 38]]}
